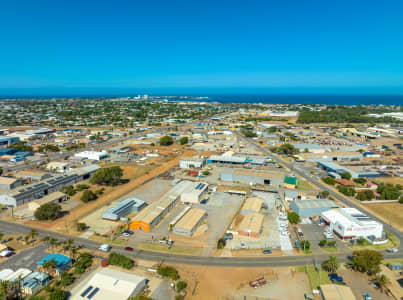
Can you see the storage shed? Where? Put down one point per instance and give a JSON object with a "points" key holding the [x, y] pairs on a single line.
{"points": [[312, 208]]}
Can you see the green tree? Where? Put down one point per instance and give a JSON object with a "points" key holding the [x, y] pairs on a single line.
{"points": [[348, 191], [365, 195], [324, 194], [181, 285], [322, 243], [21, 146], [88, 196], [166, 140], [329, 180], [221, 243], [305, 245], [184, 140], [81, 226], [107, 176], [205, 173], [58, 294], [346, 175], [66, 279], [169, 272], [360, 180], [331, 264], [293, 217], [33, 234], [50, 265], [120, 260], [1, 171], [48, 211], [287, 149], [367, 261]]}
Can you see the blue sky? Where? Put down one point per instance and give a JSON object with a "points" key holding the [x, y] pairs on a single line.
{"points": [[201, 46]]}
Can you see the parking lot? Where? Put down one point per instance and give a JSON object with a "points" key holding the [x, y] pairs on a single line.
{"points": [[25, 259]]}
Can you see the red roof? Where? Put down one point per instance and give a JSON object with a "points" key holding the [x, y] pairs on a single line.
{"points": [[345, 182]]}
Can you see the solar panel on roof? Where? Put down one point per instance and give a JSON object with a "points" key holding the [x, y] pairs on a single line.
{"points": [[92, 294], [87, 290]]}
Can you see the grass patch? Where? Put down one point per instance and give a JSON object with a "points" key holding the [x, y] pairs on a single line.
{"points": [[331, 249], [107, 240], [393, 242], [173, 249], [316, 278], [303, 185], [388, 261]]}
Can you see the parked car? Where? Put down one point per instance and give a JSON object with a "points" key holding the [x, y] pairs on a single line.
{"points": [[267, 251], [125, 234], [367, 296], [129, 249], [392, 250], [335, 277], [105, 248], [228, 236]]}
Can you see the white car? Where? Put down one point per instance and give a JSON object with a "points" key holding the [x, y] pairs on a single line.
{"points": [[105, 248], [392, 250]]}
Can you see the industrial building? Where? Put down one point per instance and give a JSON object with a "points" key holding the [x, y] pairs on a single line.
{"points": [[58, 166], [93, 155], [252, 177], [336, 292], [150, 216], [7, 183], [350, 223], [227, 158], [251, 205], [194, 193], [34, 282], [190, 221], [21, 273], [333, 168], [63, 262], [124, 208], [312, 208], [251, 225], [33, 175], [109, 283], [8, 140], [195, 162], [55, 197], [311, 148], [42, 188]]}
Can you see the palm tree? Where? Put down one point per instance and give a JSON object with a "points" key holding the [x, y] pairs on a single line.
{"points": [[33, 234], [50, 266], [26, 239], [383, 281], [53, 242], [4, 289], [1, 235], [331, 265], [46, 239]]}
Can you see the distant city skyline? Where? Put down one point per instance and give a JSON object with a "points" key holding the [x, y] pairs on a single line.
{"points": [[211, 47]]}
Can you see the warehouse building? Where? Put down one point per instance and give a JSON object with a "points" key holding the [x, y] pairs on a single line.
{"points": [[124, 208], [195, 162], [251, 205], [7, 183], [56, 197], [331, 167], [312, 208], [194, 193], [350, 223], [109, 283], [311, 148], [33, 175], [190, 221], [252, 177], [251, 225], [20, 274], [45, 187], [227, 158], [8, 140], [93, 155], [336, 292], [152, 215], [34, 282]]}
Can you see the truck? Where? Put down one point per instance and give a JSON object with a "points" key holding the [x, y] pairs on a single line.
{"points": [[257, 282]]}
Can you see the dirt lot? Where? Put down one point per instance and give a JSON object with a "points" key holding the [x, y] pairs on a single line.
{"points": [[393, 180], [224, 283], [391, 213]]}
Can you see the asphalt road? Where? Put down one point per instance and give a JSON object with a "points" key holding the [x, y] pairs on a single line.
{"points": [[348, 201], [186, 259]]}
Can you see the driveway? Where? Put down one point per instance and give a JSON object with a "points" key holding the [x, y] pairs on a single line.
{"points": [[25, 259]]}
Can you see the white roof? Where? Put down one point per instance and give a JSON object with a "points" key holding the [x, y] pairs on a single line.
{"points": [[349, 217], [112, 284], [21, 272], [5, 273]]}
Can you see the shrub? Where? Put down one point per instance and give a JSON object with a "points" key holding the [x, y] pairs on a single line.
{"points": [[107, 176], [184, 140], [69, 190], [329, 180], [322, 243], [346, 175], [84, 262], [305, 245], [81, 226], [82, 186], [66, 279], [360, 180], [331, 244], [166, 140], [58, 294], [168, 272], [221, 243], [180, 286], [48, 211], [293, 217], [120, 260], [348, 191], [99, 192], [87, 196], [205, 173], [365, 195]]}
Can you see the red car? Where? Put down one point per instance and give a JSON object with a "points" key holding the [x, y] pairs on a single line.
{"points": [[129, 249]]}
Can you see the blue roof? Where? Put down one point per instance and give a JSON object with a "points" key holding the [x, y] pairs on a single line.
{"points": [[59, 258], [7, 151]]}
